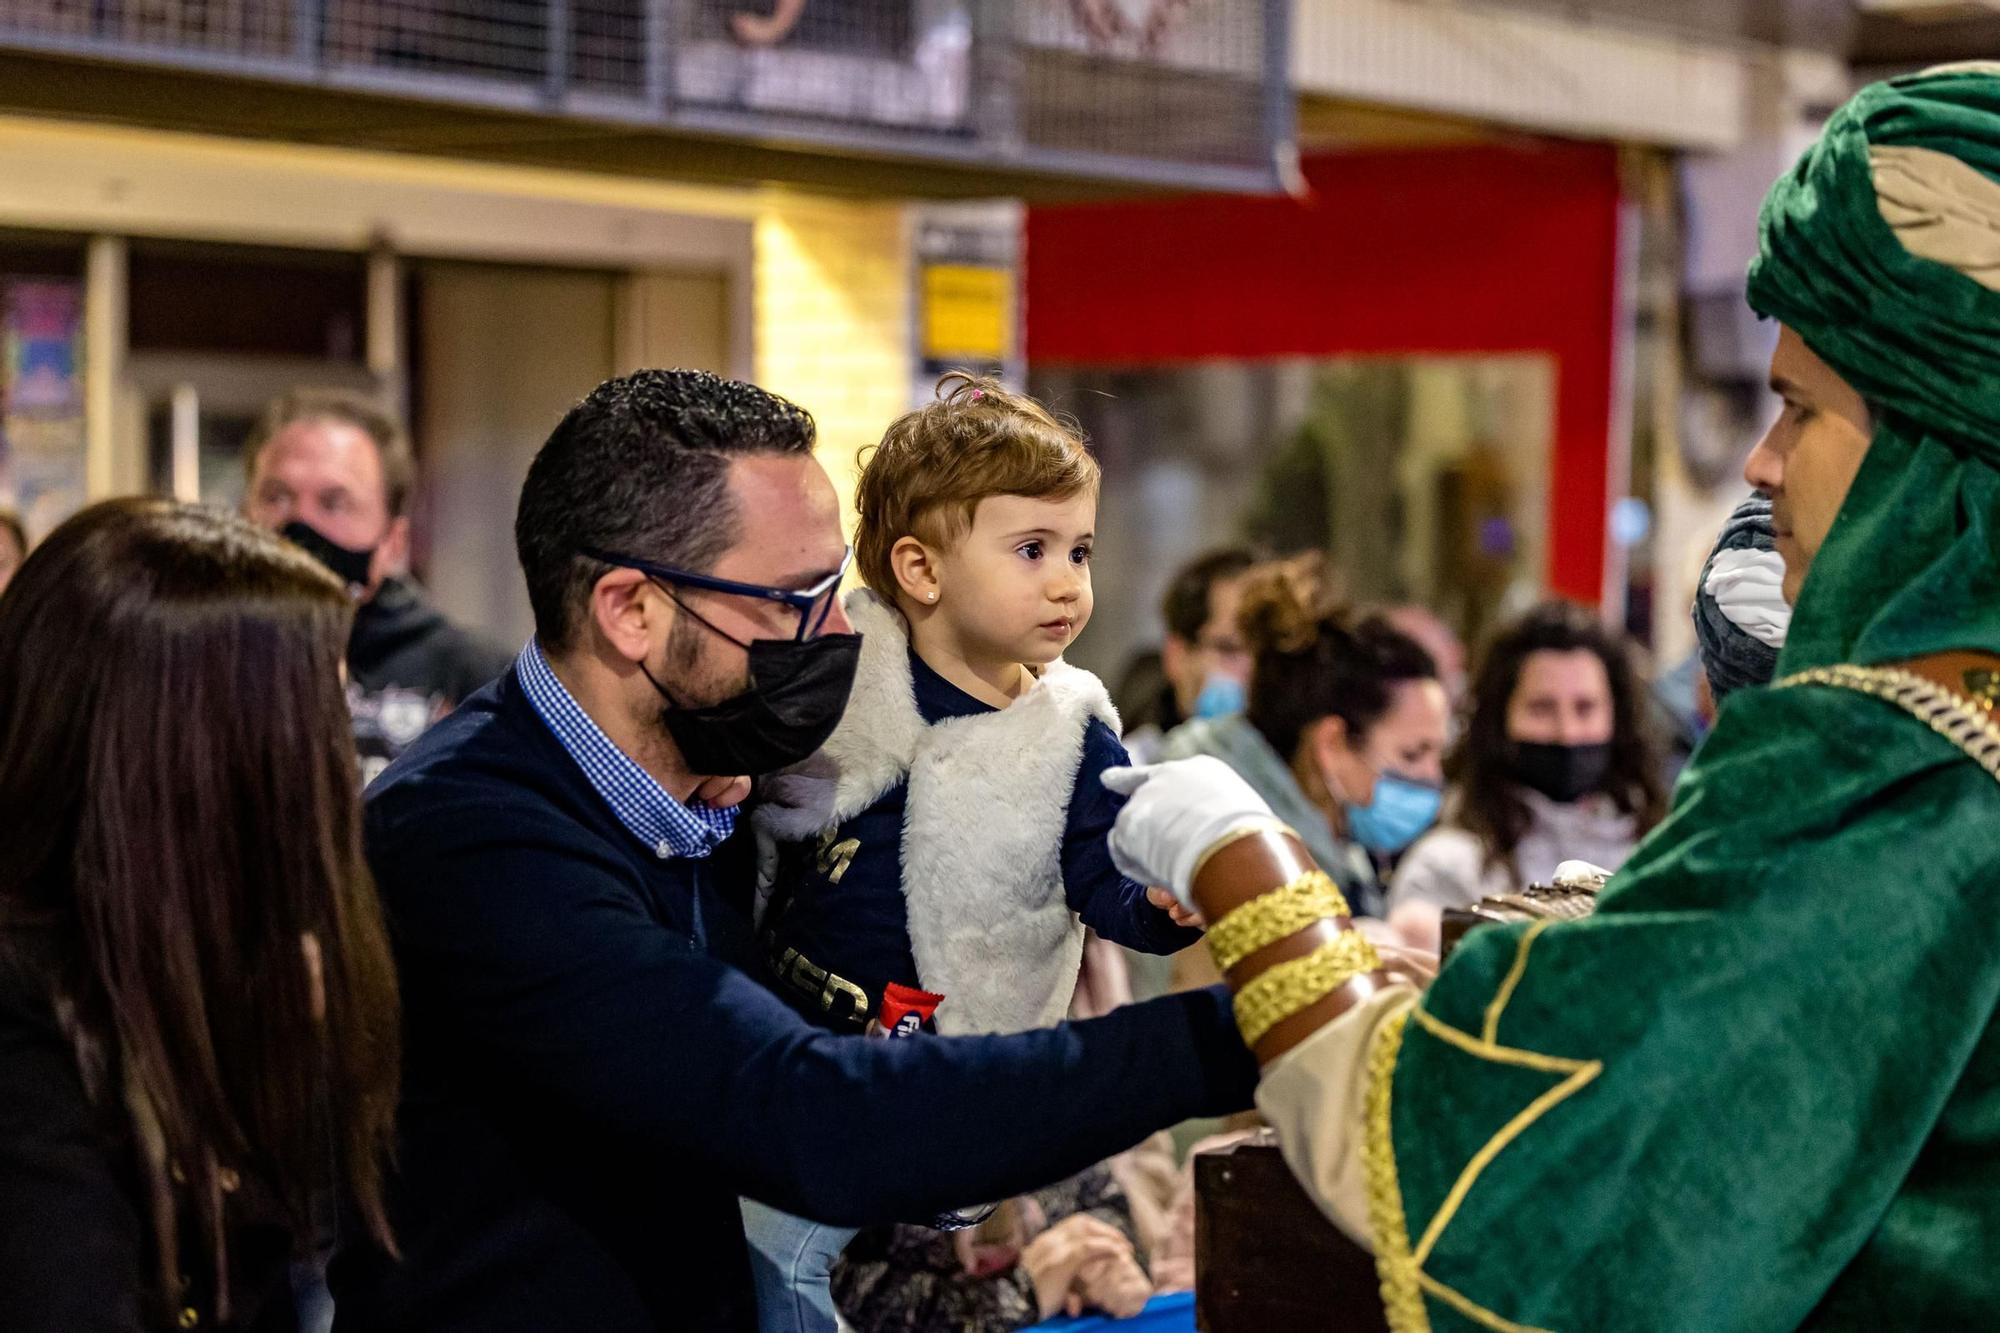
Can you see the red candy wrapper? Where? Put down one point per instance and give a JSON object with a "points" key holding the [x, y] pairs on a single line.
{"points": [[905, 1010]]}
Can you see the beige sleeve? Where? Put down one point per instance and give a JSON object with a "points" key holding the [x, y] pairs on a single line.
{"points": [[1314, 1095]]}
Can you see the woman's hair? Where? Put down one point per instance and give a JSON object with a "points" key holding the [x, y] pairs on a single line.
{"points": [[178, 813], [935, 465], [1313, 659], [1489, 803]]}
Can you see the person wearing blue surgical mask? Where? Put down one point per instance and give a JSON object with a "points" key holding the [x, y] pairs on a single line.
{"points": [[1343, 730]]}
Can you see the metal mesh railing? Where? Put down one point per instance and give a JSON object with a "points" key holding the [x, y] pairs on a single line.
{"points": [[1035, 83]]}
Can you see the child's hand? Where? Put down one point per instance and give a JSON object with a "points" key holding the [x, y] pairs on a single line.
{"points": [[1181, 916]]}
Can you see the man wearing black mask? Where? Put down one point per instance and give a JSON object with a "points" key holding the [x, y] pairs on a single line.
{"points": [[590, 1081], [335, 475]]}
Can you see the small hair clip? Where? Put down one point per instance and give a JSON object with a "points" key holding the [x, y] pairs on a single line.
{"points": [[978, 394]]}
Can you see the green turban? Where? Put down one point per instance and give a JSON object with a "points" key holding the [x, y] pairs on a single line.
{"points": [[1881, 249]]}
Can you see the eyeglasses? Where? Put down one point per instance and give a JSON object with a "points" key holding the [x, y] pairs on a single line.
{"points": [[813, 604]]}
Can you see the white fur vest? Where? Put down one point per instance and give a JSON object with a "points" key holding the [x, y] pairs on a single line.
{"points": [[990, 927]]}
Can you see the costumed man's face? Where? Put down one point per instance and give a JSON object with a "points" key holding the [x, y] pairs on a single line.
{"points": [[327, 474], [1808, 459], [1016, 586]]}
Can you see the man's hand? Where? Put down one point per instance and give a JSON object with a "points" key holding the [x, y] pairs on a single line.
{"points": [[1180, 916], [720, 793], [1178, 811]]}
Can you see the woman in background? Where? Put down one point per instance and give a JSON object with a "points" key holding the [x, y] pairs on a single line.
{"points": [[1344, 731], [1557, 764], [199, 1029]]}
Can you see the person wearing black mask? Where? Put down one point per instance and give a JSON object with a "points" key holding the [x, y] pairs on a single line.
{"points": [[1557, 763], [334, 474], [592, 1078]]}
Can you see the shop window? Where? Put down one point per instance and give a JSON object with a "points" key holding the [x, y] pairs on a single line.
{"points": [[41, 380]]}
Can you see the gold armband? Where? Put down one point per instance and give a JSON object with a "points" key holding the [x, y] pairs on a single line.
{"points": [[1268, 918], [1298, 983]]}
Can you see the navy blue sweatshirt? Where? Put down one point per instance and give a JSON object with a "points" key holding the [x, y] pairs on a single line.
{"points": [[590, 1081], [837, 932]]}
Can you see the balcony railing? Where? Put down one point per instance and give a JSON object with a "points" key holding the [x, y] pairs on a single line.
{"points": [[1174, 92]]}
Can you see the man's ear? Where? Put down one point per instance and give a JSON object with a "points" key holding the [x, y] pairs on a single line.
{"points": [[917, 571], [624, 616]]}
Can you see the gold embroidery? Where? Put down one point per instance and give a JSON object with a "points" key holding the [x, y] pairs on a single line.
{"points": [[1401, 1298], [1506, 991], [1404, 1281], [816, 983], [1270, 917], [1297, 983], [1984, 686], [832, 857], [1971, 728]]}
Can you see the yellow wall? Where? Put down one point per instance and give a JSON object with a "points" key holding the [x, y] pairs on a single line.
{"points": [[833, 320]]}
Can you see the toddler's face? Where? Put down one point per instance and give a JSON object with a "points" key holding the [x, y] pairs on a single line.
{"points": [[1017, 586]]}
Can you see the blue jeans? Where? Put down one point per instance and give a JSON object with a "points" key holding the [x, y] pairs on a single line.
{"points": [[791, 1262]]}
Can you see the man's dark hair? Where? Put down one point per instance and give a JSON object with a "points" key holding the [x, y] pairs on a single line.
{"points": [[1186, 604], [641, 468], [392, 446]]}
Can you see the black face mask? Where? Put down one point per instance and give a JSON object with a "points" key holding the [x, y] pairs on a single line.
{"points": [[1562, 773], [348, 565], [797, 693]]}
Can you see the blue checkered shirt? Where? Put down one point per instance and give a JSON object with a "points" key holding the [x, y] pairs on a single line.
{"points": [[642, 805]]}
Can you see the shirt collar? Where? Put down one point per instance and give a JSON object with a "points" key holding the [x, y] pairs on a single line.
{"points": [[666, 826]]}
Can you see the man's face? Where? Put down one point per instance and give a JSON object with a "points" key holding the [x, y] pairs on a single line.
{"points": [[1807, 460], [1218, 650], [788, 536], [328, 475]]}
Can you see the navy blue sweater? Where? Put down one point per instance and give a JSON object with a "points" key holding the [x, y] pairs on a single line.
{"points": [[590, 1083], [837, 924]]}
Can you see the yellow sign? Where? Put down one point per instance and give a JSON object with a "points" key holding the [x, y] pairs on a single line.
{"points": [[968, 312]]}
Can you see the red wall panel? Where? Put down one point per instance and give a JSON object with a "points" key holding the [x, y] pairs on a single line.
{"points": [[1446, 250]]}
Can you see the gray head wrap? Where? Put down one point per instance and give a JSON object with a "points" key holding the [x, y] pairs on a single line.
{"points": [[1740, 615]]}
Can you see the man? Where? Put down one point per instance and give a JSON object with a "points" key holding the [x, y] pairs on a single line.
{"points": [[1204, 661], [590, 1082], [1760, 1088], [336, 476]]}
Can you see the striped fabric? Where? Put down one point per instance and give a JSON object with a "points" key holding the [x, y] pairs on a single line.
{"points": [[654, 817]]}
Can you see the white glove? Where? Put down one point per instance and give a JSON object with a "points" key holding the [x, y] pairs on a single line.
{"points": [[1177, 811], [1581, 875]]}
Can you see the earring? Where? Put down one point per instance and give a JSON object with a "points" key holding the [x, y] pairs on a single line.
{"points": [[933, 597]]}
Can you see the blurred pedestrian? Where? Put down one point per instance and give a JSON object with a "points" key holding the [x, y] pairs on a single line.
{"points": [[13, 545], [1438, 639], [1204, 664], [1344, 730], [1558, 763], [198, 1014], [333, 473]]}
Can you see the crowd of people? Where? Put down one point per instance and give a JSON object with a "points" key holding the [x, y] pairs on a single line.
{"points": [[750, 949]]}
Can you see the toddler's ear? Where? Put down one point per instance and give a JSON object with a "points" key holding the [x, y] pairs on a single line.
{"points": [[916, 569]]}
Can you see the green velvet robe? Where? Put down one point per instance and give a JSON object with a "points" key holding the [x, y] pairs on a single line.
{"points": [[1759, 1089]]}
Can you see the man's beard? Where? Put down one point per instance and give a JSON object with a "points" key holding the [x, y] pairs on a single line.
{"points": [[685, 682]]}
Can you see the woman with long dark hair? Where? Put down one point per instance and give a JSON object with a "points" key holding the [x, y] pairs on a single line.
{"points": [[1557, 763], [199, 1031]]}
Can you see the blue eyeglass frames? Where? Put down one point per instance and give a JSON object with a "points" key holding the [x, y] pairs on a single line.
{"points": [[813, 604]]}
